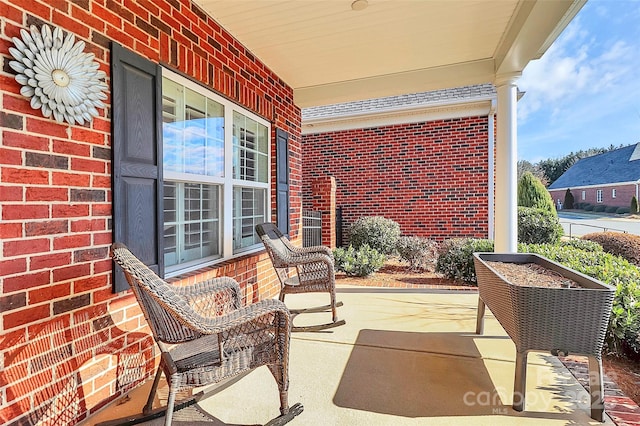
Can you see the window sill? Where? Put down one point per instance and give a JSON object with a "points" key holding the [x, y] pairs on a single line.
{"points": [[203, 272]]}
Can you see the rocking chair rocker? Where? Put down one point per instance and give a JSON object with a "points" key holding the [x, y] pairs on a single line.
{"points": [[314, 267], [205, 336]]}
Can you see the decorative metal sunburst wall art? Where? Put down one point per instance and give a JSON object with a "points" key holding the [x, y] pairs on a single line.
{"points": [[57, 75]]}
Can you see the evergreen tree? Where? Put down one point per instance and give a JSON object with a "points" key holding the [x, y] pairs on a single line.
{"points": [[568, 199], [532, 193], [634, 205]]}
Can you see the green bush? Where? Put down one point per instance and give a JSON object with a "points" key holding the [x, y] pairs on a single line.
{"points": [[626, 246], [589, 207], [581, 244], [532, 193], [568, 200], [419, 252], [611, 209], [358, 262], [455, 260], [623, 210], [633, 209], [377, 232], [623, 333], [537, 226], [599, 208]]}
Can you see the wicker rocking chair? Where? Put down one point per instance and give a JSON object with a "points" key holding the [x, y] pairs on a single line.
{"points": [[314, 272], [206, 336]]}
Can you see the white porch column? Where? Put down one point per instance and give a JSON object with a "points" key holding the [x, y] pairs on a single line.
{"points": [[506, 214]]}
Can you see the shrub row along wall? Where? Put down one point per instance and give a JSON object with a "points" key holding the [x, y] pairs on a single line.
{"points": [[623, 194], [431, 178], [68, 345]]}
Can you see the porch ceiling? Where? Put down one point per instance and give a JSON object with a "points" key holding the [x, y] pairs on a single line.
{"points": [[330, 53]]}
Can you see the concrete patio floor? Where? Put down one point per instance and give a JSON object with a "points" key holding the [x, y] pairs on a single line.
{"points": [[405, 357]]}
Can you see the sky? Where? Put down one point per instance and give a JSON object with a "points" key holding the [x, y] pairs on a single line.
{"points": [[585, 90]]}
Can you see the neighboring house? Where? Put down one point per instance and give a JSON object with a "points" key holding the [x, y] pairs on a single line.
{"points": [[610, 179], [424, 160]]}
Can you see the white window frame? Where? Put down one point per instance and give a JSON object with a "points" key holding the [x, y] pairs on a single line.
{"points": [[599, 196], [584, 195], [613, 193], [227, 182]]}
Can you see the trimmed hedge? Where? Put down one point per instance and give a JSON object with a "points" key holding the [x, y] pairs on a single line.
{"points": [[455, 260], [623, 210], [537, 226], [623, 333], [610, 209], [626, 246], [581, 244], [599, 208]]}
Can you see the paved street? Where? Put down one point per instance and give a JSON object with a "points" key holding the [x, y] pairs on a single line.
{"points": [[576, 224]]}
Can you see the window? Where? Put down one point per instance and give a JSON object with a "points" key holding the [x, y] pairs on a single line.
{"points": [[599, 196], [613, 193], [584, 195], [216, 175]]}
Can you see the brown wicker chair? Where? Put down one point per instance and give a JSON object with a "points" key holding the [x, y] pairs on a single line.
{"points": [[314, 268], [205, 335]]}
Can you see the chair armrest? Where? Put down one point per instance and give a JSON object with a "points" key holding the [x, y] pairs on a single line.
{"points": [[296, 259], [238, 317], [217, 295], [314, 249]]}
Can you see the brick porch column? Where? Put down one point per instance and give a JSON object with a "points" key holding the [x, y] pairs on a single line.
{"points": [[323, 198]]}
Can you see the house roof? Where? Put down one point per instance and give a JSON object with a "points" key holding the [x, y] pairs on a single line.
{"points": [[401, 102], [620, 165], [467, 101]]}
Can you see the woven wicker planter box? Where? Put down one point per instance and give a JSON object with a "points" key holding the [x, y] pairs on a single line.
{"points": [[558, 320]]}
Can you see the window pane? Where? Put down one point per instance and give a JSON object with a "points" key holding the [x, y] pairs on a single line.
{"points": [[248, 211], [193, 131], [195, 231], [250, 149], [215, 139], [172, 125]]}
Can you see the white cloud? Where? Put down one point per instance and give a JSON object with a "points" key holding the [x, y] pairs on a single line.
{"points": [[574, 66]]}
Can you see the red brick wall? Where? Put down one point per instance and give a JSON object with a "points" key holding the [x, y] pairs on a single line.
{"points": [[622, 199], [431, 178], [67, 344]]}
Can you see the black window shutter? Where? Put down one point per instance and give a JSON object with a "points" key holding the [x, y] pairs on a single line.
{"points": [[282, 185], [137, 159]]}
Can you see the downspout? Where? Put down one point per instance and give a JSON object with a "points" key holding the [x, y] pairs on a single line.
{"points": [[492, 167]]}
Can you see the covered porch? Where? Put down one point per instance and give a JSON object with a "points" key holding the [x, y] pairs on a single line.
{"points": [[271, 58], [406, 356]]}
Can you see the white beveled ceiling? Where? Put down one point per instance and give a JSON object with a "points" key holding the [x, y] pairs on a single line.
{"points": [[330, 53]]}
